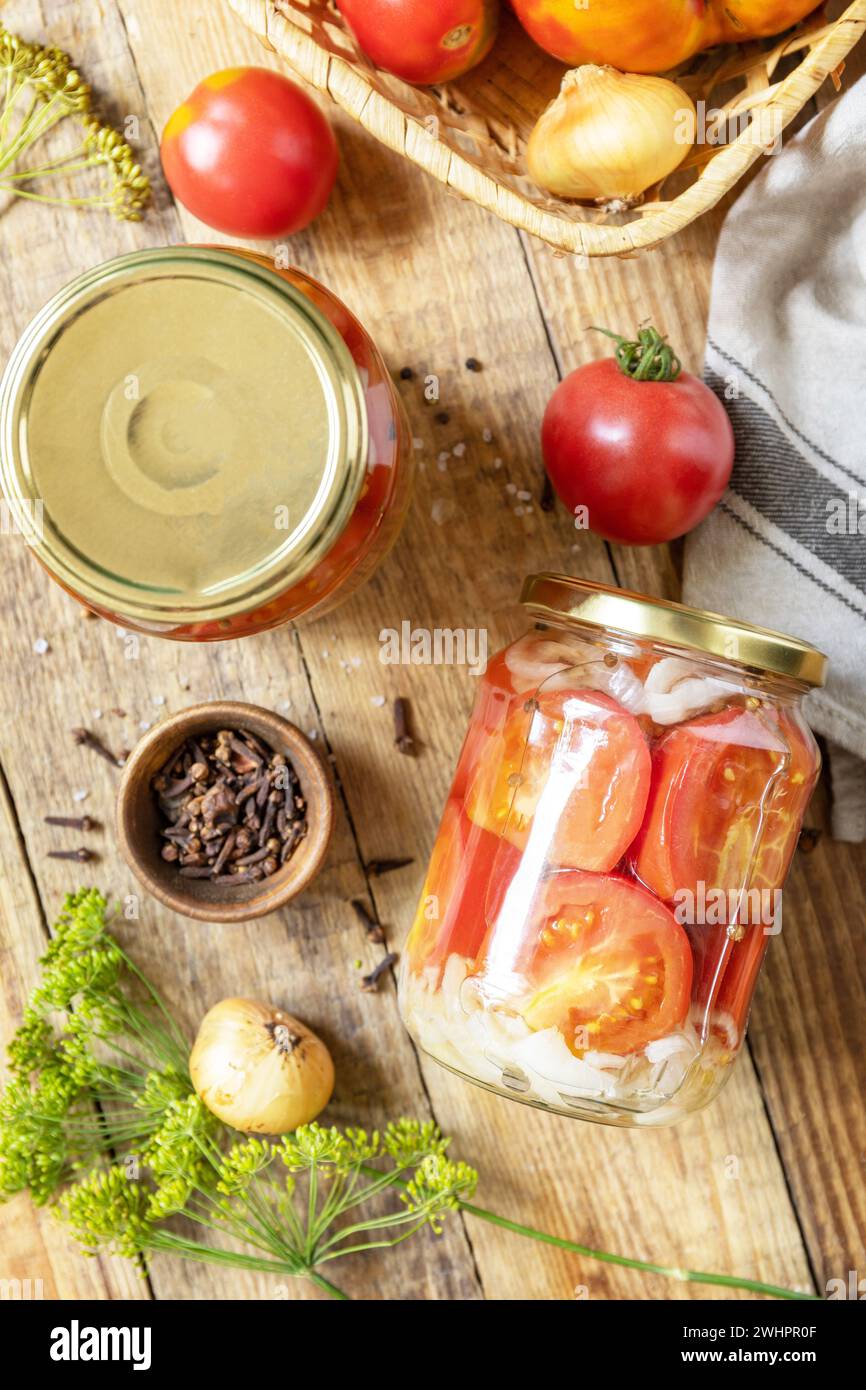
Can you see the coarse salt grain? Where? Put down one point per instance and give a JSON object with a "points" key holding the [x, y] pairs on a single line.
{"points": [[511, 489], [459, 450], [497, 463], [97, 713], [487, 436], [313, 734], [518, 511], [377, 700], [439, 511], [159, 699], [144, 725], [417, 443], [41, 646], [523, 496], [80, 795]]}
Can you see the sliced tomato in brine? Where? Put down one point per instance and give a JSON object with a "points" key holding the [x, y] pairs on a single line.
{"points": [[492, 706], [728, 795], [607, 964], [570, 773], [469, 872]]}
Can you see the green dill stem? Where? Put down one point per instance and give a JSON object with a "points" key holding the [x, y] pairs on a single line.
{"points": [[378, 1223], [328, 1287], [70, 163], [258, 1229], [206, 1254], [311, 1211], [690, 1276], [41, 117], [375, 1244], [173, 1030], [730, 1281]]}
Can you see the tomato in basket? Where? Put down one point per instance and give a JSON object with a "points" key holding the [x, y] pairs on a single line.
{"points": [[423, 41]]}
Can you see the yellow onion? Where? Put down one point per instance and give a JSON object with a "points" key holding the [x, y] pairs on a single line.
{"points": [[610, 135], [258, 1069]]}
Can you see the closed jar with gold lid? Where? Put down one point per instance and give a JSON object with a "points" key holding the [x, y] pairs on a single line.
{"points": [[609, 866], [210, 446]]}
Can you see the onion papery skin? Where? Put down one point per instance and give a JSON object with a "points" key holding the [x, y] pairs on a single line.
{"points": [[259, 1069], [609, 136]]}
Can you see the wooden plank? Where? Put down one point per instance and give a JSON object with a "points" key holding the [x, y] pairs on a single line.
{"points": [[436, 281]]}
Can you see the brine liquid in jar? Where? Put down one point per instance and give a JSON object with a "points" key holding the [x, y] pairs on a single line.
{"points": [[608, 870]]}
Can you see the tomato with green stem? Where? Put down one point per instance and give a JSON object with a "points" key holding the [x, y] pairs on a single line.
{"points": [[635, 447]]}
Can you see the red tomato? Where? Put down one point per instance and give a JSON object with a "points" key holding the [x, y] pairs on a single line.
{"points": [[608, 964], [728, 795], [469, 872], [492, 705], [647, 459], [423, 41], [784, 820], [572, 770], [251, 154]]}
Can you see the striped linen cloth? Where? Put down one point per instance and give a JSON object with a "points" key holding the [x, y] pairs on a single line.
{"points": [[786, 548]]}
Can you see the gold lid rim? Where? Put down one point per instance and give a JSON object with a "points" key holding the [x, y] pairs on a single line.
{"points": [[84, 577], [558, 597]]}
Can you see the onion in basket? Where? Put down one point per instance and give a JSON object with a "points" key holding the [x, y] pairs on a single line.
{"points": [[610, 135]]}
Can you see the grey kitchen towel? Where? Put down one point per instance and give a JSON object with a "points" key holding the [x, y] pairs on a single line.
{"points": [[786, 352]]}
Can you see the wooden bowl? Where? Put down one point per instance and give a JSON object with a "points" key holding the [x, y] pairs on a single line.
{"points": [[139, 820]]}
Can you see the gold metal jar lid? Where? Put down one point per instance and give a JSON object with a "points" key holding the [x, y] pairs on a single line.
{"points": [[193, 429], [557, 597]]}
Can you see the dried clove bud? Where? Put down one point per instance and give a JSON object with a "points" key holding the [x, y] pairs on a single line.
{"points": [[84, 738], [73, 822], [370, 983], [377, 867], [402, 733], [371, 926]]}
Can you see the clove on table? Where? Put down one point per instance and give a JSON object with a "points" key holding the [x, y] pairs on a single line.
{"points": [[73, 822], [234, 809], [377, 867], [85, 739], [402, 732], [373, 928], [370, 983]]}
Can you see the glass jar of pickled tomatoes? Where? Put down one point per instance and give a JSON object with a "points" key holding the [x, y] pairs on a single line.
{"points": [[608, 869], [200, 445]]}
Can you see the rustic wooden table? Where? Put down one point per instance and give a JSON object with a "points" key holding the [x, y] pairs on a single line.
{"points": [[769, 1182]]}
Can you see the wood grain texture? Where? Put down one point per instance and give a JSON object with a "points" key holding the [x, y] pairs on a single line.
{"points": [[436, 281]]}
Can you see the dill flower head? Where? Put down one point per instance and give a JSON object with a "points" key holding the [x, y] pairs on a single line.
{"points": [[39, 89]]}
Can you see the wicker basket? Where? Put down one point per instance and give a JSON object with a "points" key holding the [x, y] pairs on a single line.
{"points": [[470, 135]]}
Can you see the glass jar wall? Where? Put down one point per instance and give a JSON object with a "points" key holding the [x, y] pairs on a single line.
{"points": [[607, 872]]}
